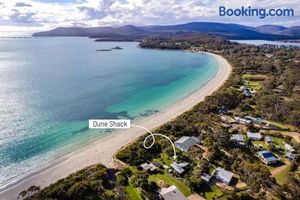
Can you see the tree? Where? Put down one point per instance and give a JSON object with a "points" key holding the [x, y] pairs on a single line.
{"points": [[140, 179]]}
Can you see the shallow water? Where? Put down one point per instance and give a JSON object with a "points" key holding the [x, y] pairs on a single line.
{"points": [[50, 87]]}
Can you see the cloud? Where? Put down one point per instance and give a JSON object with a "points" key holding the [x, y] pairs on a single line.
{"points": [[53, 13], [23, 18], [22, 4]]}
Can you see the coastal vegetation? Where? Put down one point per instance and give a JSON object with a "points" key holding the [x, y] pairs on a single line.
{"points": [[264, 85], [270, 75], [92, 183]]}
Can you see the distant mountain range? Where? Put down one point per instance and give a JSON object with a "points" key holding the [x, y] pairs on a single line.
{"points": [[130, 32]]}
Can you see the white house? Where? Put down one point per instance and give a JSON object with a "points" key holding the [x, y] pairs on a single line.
{"points": [[186, 142], [171, 193], [291, 156], [267, 157], [289, 147], [223, 175], [237, 139], [149, 167], [254, 136], [243, 120], [179, 168], [268, 139], [206, 177]]}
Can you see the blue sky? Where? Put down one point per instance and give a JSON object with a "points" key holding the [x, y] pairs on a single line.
{"points": [[32, 15]]}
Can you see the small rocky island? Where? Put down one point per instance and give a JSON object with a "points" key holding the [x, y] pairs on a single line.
{"points": [[104, 50], [113, 48], [117, 48]]}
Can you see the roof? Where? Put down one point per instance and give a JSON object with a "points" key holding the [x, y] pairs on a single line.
{"points": [[184, 139], [178, 168], [205, 177], [268, 156], [254, 135], [268, 139], [291, 155], [240, 119], [183, 164], [255, 119], [237, 137], [224, 175], [247, 92], [148, 166], [171, 193], [186, 142], [288, 147], [244, 87]]}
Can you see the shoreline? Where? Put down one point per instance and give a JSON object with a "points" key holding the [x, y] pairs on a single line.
{"points": [[103, 150]]}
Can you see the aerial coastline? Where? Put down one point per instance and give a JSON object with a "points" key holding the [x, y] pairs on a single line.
{"points": [[103, 150]]}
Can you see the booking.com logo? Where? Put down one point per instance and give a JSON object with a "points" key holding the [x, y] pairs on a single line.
{"points": [[255, 12]]}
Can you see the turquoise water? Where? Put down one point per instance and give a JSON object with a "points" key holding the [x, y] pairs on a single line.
{"points": [[50, 87]]}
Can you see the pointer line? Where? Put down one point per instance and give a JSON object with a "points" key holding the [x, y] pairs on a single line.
{"points": [[153, 139]]}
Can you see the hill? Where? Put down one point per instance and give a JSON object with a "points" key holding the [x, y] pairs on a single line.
{"points": [[130, 32]]}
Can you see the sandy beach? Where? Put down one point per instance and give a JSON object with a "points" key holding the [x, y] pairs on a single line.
{"points": [[102, 150]]}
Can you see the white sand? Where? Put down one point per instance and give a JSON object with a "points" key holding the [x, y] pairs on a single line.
{"points": [[102, 150]]}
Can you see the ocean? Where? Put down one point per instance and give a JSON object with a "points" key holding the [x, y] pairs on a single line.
{"points": [[50, 87], [261, 42]]}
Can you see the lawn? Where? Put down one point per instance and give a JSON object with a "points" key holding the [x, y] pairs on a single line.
{"points": [[163, 179], [260, 143], [254, 85], [254, 77], [284, 126], [132, 193], [279, 141], [280, 177], [210, 192], [164, 159]]}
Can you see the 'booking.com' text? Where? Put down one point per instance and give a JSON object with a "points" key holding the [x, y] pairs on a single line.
{"points": [[261, 13]]}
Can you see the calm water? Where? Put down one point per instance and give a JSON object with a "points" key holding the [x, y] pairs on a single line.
{"points": [[261, 42], [50, 87]]}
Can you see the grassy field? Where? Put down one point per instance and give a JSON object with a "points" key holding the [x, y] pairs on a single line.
{"points": [[280, 177], [254, 85], [260, 143], [164, 179], [132, 193], [210, 192], [254, 77]]}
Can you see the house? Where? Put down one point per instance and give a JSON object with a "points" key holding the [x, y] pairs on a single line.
{"points": [[268, 139], [268, 55], [148, 167], [243, 120], [237, 139], [247, 93], [254, 136], [223, 110], [269, 126], [227, 119], [289, 147], [267, 157], [223, 175], [291, 156], [171, 193], [206, 177], [244, 87], [186, 142], [179, 168], [256, 120]]}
